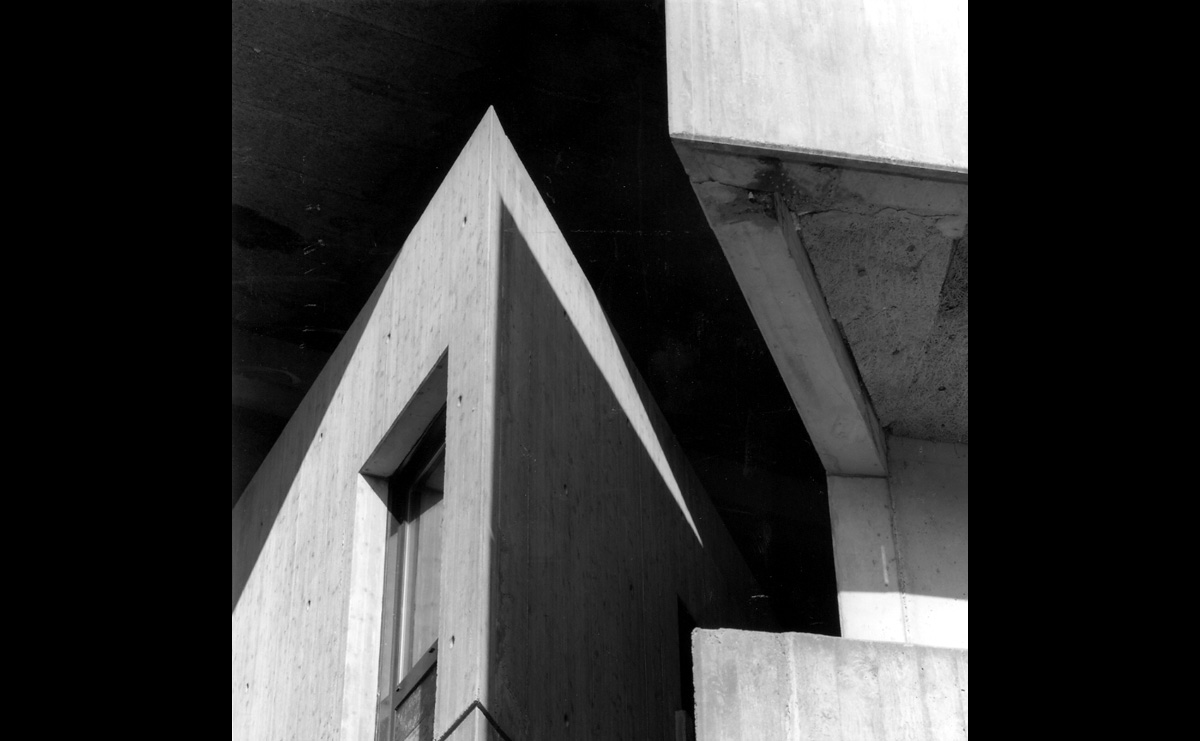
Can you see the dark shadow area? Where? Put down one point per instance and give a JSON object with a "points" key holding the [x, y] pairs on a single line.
{"points": [[687, 680], [585, 107], [254, 433], [591, 551]]}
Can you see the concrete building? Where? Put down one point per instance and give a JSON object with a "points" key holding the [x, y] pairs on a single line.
{"points": [[478, 521]]}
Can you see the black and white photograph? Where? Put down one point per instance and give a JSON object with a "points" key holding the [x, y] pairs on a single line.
{"points": [[599, 370]]}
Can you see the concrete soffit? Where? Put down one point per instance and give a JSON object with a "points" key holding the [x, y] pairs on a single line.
{"points": [[858, 281], [757, 231], [836, 184]]}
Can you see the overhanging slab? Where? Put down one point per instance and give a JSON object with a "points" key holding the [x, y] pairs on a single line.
{"points": [[759, 239], [878, 82]]}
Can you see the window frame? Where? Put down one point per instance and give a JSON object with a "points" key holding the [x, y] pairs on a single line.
{"points": [[400, 576]]}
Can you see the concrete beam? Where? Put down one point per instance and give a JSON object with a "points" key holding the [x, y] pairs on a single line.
{"points": [[758, 236], [879, 83], [759, 94]]}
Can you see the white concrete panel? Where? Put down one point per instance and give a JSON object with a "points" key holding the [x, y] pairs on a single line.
{"points": [[874, 81]]}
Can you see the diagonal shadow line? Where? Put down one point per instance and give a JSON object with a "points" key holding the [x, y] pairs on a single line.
{"points": [[256, 510], [621, 376], [559, 421]]}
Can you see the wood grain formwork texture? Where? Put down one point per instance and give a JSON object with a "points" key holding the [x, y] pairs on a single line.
{"points": [[308, 532]]}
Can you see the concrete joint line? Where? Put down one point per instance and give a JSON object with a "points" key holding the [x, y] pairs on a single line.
{"points": [[901, 580]]}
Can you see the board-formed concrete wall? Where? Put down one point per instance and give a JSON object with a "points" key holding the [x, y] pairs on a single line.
{"points": [[788, 686], [308, 533], [879, 82]]}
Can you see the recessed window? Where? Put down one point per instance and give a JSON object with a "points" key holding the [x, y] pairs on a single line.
{"points": [[408, 646]]}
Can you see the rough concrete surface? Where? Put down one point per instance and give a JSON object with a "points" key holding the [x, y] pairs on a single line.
{"points": [[768, 686], [882, 275], [890, 254]]}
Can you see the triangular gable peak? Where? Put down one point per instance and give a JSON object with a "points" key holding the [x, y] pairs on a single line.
{"points": [[563, 488]]}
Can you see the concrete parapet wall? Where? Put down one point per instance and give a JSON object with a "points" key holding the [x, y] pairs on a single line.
{"points": [[599, 528], [774, 686]]}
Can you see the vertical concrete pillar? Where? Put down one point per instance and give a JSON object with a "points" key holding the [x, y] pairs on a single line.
{"points": [[864, 551], [928, 486], [900, 546]]}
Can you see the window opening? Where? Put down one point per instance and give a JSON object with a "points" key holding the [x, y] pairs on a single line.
{"points": [[408, 646]]}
